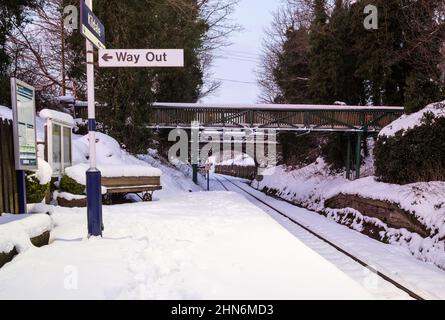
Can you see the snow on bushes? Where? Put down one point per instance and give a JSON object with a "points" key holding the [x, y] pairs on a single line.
{"points": [[38, 183], [412, 149], [71, 186], [411, 121]]}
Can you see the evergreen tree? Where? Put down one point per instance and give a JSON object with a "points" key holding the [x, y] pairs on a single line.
{"points": [[128, 93], [346, 84], [292, 71], [320, 81], [400, 59]]}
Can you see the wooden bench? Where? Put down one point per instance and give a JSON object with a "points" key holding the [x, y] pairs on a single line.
{"points": [[132, 185]]}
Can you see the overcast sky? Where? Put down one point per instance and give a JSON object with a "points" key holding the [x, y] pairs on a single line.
{"points": [[239, 61]]}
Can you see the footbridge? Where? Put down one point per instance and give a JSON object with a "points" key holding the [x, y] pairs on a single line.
{"points": [[354, 121], [275, 117]]}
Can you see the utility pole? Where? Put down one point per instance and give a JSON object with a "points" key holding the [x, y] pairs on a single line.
{"points": [[94, 183]]}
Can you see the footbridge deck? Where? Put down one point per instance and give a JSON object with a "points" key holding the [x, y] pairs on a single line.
{"points": [[276, 117]]}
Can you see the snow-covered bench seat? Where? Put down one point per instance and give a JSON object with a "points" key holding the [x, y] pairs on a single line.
{"points": [[132, 185], [122, 179]]}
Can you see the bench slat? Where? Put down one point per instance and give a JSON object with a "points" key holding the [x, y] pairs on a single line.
{"points": [[130, 181], [134, 189]]}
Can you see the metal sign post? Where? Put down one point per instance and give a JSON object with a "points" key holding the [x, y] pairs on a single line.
{"points": [[25, 138], [94, 31]]}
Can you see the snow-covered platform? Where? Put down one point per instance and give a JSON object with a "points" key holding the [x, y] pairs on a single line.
{"points": [[194, 246]]}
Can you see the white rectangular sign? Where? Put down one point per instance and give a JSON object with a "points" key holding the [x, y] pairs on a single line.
{"points": [[109, 58], [24, 115]]}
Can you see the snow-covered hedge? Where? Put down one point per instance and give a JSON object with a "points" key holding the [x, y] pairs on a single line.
{"points": [[38, 183], [412, 149], [411, 121]]}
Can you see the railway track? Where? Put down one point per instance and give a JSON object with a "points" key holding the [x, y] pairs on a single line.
{"points": [[356, 259]]}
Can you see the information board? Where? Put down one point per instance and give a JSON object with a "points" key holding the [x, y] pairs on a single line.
{"points": [[24, 119]]}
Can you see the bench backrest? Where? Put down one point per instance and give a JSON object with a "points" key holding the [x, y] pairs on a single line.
{"points": [[130, 181]]}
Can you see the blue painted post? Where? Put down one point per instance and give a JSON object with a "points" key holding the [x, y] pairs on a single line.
{"points": [[94, 200], [21, 190], [94, 185]]}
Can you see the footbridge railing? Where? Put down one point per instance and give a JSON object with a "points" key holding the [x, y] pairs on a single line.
{"points": [[277, 117]]}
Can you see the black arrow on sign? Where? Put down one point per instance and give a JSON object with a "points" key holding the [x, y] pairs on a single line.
{"points": [[106, 57]]}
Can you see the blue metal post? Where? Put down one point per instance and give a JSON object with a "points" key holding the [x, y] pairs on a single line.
{"points": [[94, 200], [21, 190], [94, 185]]}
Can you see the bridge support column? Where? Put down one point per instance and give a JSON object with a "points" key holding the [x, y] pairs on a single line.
{"points": [[195, 173], [195, 151], [358, 155]]}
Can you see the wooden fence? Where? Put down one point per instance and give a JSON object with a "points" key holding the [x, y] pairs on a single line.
{"points": [[8, 178], [237, 171]]}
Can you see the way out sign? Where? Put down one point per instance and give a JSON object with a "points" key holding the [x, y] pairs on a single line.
{"points": [[141, 58]]}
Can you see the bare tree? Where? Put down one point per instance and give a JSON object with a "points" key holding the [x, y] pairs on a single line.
{"points": [[40, 53], [216, 15]]}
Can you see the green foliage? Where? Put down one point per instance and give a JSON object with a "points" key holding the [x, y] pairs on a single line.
{"points": [[318, 56], [129, 93], [300, 150], [334, 149], [420, 92], [35, 192], [292, 72], [70, 185], [397, 64], [417, 155]]}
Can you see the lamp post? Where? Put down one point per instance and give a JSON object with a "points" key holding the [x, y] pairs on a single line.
{"points": [[94, 185]]}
